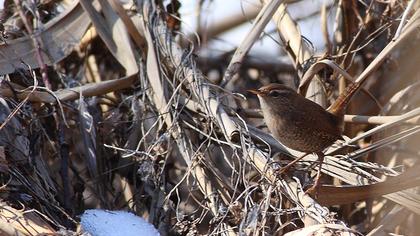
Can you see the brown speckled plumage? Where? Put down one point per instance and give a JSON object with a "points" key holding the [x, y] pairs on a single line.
{"points": [[296, 121]]}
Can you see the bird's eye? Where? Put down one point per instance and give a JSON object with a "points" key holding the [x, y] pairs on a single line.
{"points": [[274, 93]]}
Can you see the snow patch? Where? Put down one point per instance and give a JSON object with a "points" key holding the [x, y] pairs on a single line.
{"points": [[114, 223]]}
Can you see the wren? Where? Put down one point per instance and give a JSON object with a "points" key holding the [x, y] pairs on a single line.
{"points": [[298, 122]]}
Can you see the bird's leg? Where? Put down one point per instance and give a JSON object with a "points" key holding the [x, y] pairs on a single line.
{"points": [[314, 189], [284, 169]]}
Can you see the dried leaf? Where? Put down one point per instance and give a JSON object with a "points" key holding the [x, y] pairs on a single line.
{"points": [[112, 31], [60, 35]]}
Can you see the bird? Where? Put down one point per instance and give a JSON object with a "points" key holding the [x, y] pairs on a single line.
{"points": [[298, 122]]}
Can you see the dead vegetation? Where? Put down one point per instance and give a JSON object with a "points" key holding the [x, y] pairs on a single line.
{"points": [[113, 106]]}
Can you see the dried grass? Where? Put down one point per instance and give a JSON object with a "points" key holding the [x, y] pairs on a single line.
{"points": [[130, 119]]}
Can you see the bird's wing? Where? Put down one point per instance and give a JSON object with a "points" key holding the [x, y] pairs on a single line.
{"points": [[317, 119]]}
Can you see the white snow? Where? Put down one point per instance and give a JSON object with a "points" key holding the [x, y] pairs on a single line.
{"points": [[115, 223]]}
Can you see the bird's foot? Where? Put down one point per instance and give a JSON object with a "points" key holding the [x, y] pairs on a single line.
{"points": [[282, 170], [292, 163], [313, 190]]}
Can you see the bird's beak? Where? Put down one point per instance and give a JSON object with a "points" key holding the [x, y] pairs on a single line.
{"points": [[254, 91]]}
